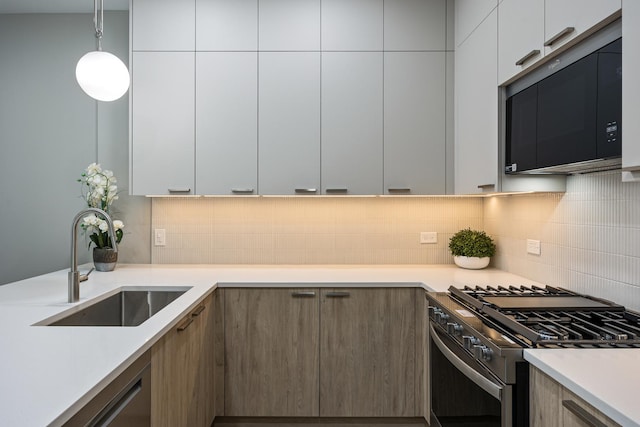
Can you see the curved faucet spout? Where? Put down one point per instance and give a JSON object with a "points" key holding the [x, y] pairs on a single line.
{"points": [[74, 275]]}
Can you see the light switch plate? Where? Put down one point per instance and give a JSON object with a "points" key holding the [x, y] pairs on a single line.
{"points": [[428, 237], [533, 247], [160, 237]]}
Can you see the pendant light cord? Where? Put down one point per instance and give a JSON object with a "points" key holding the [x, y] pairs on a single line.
{"points": [[98, 21]]}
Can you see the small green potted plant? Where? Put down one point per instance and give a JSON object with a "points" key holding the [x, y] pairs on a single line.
{"points": [[471, 249]]}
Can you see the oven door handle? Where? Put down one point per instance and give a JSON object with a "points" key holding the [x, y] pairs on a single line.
{"points": [[482, 382]]}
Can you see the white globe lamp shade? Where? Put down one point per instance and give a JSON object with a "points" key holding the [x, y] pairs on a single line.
{"points": [[102, 75]]}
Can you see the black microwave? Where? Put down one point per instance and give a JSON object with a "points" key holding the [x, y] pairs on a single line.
{"points": [[570, 120]]}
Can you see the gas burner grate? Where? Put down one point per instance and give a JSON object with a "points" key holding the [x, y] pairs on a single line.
{"points": [[554, 317], [578, 326], [512, 290]]}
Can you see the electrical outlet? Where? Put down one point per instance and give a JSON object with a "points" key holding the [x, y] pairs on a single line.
{"points": [[533, 247], [160, 237], [428, 237]]}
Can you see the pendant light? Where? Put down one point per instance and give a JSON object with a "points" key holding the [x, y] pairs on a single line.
{"points": [[102, 75]]}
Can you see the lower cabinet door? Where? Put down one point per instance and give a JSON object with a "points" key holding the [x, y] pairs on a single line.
{"points": [[271, 352], [367, 352], [181, 372]]}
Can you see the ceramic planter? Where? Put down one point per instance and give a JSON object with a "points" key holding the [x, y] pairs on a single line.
{"points": [[105, 259], [471, 263]]}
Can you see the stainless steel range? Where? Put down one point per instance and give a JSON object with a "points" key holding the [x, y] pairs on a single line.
{"points": [[477, 335]]}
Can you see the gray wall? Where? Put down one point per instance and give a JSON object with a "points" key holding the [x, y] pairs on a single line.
{"points": [[49, 132]]}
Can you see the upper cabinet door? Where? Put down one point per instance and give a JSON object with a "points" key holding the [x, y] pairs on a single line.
{"points": [[166, 25], [289, 25], [476, 104], [415, 25], [414, 123], [630, 89], [162, 101], [227, 122], [521, 30], [352, 122], [565, 19], [227, 25], [289, 123], [354, 25]]}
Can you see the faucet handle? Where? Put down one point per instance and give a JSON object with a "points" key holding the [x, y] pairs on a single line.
{"points": [[84, 277]]}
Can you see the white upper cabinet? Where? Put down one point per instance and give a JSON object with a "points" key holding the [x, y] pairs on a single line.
{"points": [[289, 123], [282, 97], [476, 105], [351, 123], [468, 16], [521, 30], [162, 102], [414, 123], [227, 25], [227, 122], [630, 91], [415, 25], [531, 29], [566, 19], [289, 25], [354, 25], [166, 25]]}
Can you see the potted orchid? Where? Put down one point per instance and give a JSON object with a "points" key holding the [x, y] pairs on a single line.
{"points": [[101, 192]]}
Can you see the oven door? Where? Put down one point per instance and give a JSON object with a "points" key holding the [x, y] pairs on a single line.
{"points": [[463, 391]]}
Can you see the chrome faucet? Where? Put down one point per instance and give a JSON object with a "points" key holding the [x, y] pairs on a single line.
{"points": [[74, 275]]}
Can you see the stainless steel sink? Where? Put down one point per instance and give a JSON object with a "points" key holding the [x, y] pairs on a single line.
{"points": [[128, 307]]}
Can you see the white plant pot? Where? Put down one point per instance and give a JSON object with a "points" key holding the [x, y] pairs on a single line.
{"points": [[471, 263]]}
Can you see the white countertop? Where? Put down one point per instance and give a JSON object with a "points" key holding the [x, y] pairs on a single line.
{"points": [[48, 373], [606, 378]]}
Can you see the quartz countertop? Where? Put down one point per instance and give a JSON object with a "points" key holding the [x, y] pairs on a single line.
{"points": [[48, 373]]}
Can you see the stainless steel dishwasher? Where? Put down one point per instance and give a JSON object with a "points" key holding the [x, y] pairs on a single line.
{"points": [[125, 402]]}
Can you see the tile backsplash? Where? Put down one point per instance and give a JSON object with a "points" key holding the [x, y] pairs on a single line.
{"points": [[590, 235], [310, 230]]}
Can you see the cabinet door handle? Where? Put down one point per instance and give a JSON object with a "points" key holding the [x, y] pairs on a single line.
{"points": [[305, 190], [338, 294], [242, 190], [184, 325], [336, 190], [303, 294], [527, 57], [483, 186], [179, 190], [197, 311], [399, 190], [562, 34], [106, 418], [581, 413]]}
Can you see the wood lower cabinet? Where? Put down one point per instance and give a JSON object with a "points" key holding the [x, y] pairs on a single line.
{"points": [[182, 371], [271, 352], [347, 352], [552, 405], [367, 352]]}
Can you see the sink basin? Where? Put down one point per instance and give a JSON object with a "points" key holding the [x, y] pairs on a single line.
{"points": [[128, 307]]}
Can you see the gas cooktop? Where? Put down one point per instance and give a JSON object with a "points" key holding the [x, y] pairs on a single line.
{"points": [[553, 317]]}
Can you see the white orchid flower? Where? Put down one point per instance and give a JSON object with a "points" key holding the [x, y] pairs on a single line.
{"points": [[103, 226], [93, 169]]}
